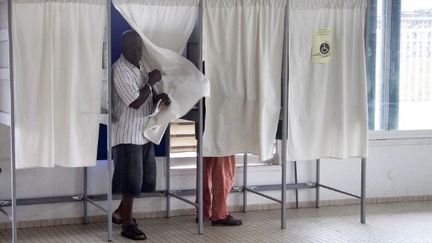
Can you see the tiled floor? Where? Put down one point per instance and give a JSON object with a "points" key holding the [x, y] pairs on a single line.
{"points": [[398, 222]]}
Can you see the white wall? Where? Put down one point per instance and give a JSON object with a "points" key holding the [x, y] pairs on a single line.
{"points": [[395, 168]]}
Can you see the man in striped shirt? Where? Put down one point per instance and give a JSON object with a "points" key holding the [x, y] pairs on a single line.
{"points": [[134, 158]]}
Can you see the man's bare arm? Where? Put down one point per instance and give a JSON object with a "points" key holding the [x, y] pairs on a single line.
{"points": [[154, 77]]}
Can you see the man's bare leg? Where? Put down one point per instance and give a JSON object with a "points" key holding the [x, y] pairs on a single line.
{"points": [[116, 214], [129, 228], [126, 207]]}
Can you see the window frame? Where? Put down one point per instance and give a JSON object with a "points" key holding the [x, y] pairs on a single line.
{"points": [[389, 80]]}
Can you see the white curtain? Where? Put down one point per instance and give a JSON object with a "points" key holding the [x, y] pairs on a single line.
{"points": [[165, 27], [243, 43], [327, 79], [57, 47]]}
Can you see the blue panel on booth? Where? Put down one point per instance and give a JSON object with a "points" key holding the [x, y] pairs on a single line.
{"points": [[102, 144]]}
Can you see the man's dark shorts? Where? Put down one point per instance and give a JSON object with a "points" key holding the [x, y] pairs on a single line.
{"points": [[135, 169]]}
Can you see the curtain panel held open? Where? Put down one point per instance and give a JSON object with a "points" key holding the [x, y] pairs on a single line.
{"points": [[165, 27]]}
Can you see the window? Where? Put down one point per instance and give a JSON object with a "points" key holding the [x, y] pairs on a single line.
{"points": [[183, 143], [183, 146], [399, 64], [182, 139]]}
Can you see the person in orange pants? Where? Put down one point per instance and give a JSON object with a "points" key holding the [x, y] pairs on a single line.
{"points": [[218, 180]]}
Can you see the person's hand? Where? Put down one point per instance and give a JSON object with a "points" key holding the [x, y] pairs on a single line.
{"points": [[154, 77], [165, 99]]}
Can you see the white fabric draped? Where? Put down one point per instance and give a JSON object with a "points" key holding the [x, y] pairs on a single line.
{"points": [[165, 27], [57, 47], [243, 43], [328, 97]]}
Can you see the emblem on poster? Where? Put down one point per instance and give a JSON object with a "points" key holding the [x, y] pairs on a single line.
{"points": [[322, 46]]}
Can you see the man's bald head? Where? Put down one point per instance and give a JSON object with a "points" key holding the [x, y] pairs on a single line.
{"points": [[131, 45]]}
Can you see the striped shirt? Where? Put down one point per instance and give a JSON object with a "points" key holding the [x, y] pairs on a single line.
{"points": [[128, 123]]}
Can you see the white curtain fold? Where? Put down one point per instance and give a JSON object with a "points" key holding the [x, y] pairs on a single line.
{"points": [[327, 79], [165, 27], [243, 43], [166, 24], [57, 48]]}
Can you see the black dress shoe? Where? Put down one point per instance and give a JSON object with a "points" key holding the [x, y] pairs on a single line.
{"points": [[228, 221]]}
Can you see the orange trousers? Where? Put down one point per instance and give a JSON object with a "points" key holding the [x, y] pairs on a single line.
{"points": [[218, 181]]}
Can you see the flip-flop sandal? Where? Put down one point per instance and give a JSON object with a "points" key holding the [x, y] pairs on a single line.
{"points": [[132, 232]]}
